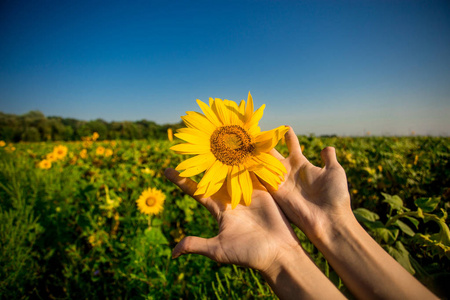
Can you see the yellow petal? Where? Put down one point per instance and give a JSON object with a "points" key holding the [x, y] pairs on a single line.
{"points": [[246, 185], [195, 165], [222, 111], [271, 163], [190, 149], [266, 140], [252, 164], [242, 109], [209, 113], [193, 139], [249, 109], [213, 179], [198, 121], [235, 116], [193, 131], [254, 130], [233, 187], [256, 117], [268, 176]]}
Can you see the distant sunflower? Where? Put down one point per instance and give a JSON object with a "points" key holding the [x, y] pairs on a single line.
{"points": [[60, 151], [108, 152], [100, 150], [151, 201], [229, 145], [83, 154], [45, 164], [170, 134], [51, 157]]}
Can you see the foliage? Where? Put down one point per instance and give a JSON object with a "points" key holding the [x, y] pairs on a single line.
{"points": [[74, 230], [34, 127]]}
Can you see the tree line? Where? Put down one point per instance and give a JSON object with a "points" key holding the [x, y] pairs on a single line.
{"points": [[34, 126]]}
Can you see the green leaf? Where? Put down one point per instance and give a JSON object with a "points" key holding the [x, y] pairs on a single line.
{"points": [[405, 228], [414, 221], [374, 225], [395, 202], [401, 255], [155, 236], [388, 235], [428, 204], [363, 215]]}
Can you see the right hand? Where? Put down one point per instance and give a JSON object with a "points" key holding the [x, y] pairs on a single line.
{"points": [[312, 198]]}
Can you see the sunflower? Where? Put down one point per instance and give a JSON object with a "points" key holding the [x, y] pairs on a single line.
{"points": [[108, 152], [51, 157], [60, 151], [100, 150], [170, 134], [229, 146], [151, 201], [45, 164], [83, 154], [95, 136]]}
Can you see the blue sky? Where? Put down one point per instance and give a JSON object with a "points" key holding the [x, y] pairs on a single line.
{"points": [[323, 67]]}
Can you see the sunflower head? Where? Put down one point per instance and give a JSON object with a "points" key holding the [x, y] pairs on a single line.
{"points": [[151, 201], [170, 134], [229, 147], [100, 150], [45, 164], [60, 151], [95, 136], [51, 157]]}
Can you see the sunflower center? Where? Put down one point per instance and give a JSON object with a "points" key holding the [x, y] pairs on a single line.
{"points": [[231, 144], [150, 201]]}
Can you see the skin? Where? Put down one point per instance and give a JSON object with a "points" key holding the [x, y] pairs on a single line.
{"points": [[318, 202], [256, 236]]}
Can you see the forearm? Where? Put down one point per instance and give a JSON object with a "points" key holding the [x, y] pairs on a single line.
{"points": [[295, 276], [367, 270]]}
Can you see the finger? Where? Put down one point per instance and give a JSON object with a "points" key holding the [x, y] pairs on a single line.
{"points": [[292, 142], [328, 155], [193, 244], [189, 187], [274, 152], [186, 184]]}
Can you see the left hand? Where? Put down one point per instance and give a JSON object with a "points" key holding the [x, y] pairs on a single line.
{"points": [[254, 236]]}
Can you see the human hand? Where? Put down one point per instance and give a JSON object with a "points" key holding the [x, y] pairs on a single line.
{"points": [[312, 198], [254, 236]]}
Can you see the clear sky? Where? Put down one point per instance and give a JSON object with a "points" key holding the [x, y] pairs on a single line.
{"points": [[323, 67]]}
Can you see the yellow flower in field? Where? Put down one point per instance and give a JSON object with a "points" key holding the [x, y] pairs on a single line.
{"points": [[2, 144], [148, 171], [95, 136], [108, 152], [51, 157], [151, 201], [60, 151], [170, 134], [45, 164], [229, 146], [83, 154], [100, 150]]}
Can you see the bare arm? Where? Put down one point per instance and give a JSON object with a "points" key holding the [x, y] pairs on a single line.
{"points": [[317, 201]]}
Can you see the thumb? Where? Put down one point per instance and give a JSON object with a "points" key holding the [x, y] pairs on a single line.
{"points": [[328, 155], [194, 244]]}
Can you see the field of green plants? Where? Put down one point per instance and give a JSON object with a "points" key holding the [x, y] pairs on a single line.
{"points": [[71, 229]]}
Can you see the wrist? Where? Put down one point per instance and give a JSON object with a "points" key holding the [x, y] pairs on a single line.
{"points": [[294, 275]]}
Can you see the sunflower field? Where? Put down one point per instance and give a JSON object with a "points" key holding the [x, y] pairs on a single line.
{"points": [[97, 219]]}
